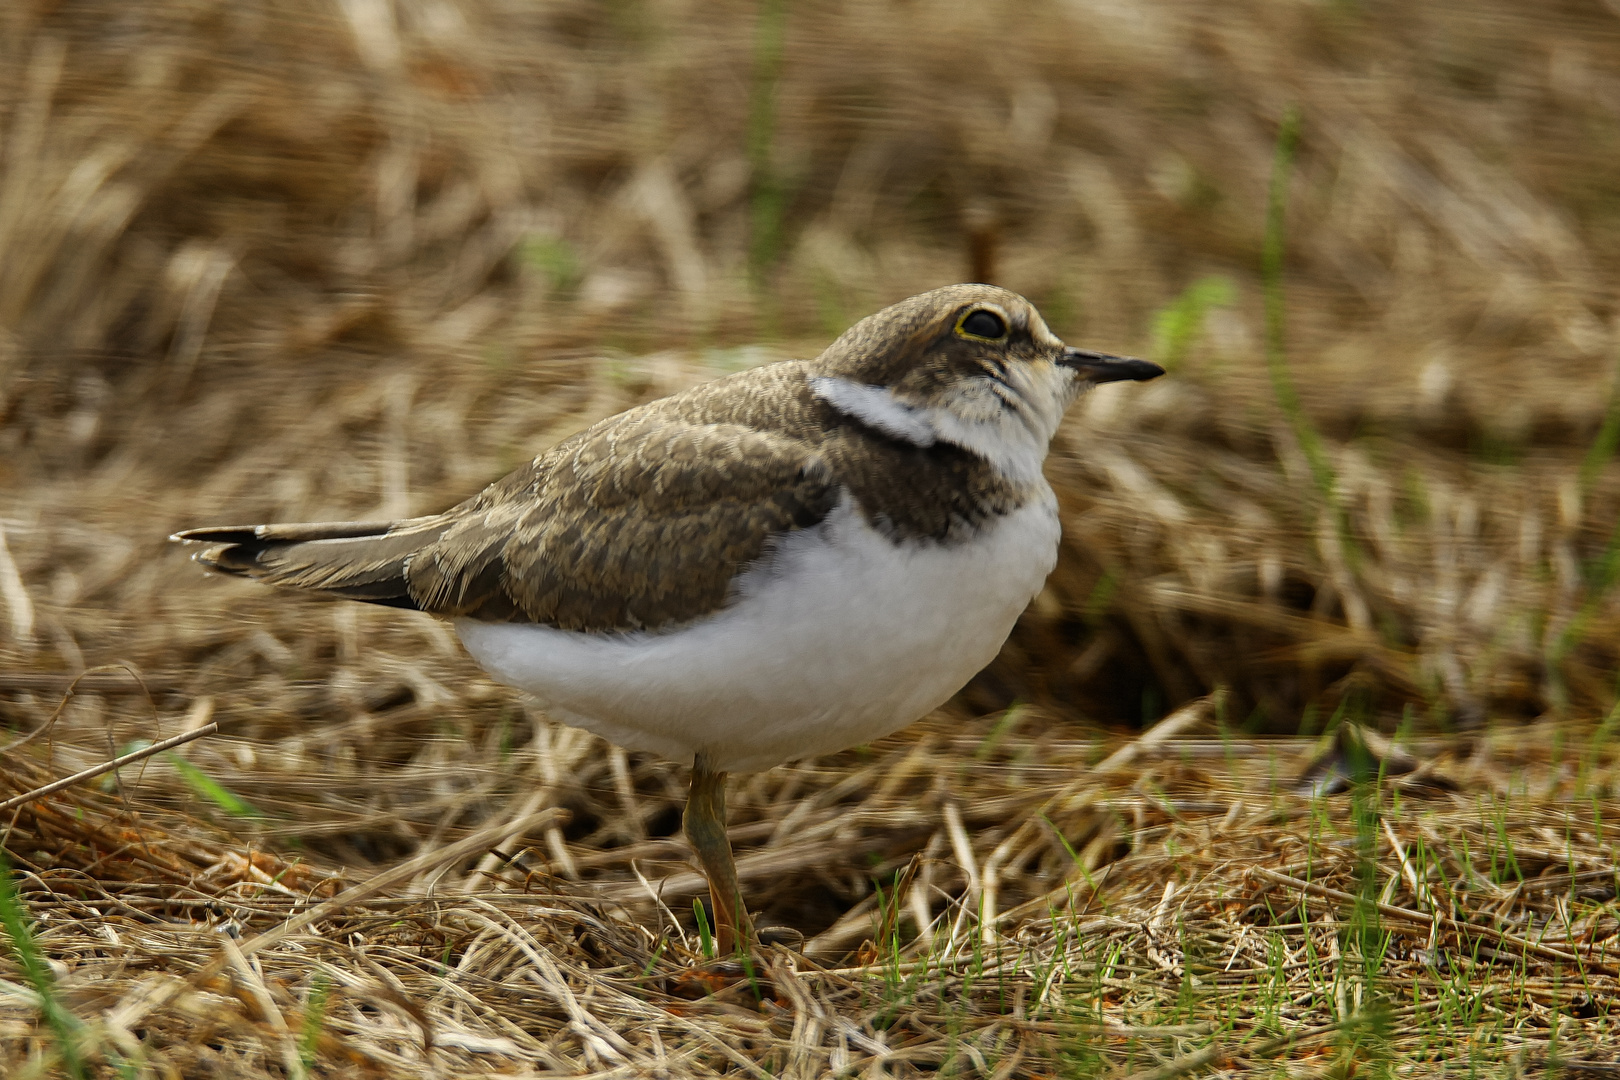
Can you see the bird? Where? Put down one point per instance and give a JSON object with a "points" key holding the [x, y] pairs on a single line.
{"points": [[780, 563]]}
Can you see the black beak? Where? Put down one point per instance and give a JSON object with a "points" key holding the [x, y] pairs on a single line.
{"points": [[1096, 367]]}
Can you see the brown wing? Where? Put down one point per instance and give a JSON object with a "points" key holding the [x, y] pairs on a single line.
{"points": [[640, 522]]}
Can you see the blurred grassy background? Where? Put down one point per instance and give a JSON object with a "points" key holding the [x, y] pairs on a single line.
{"points": [[344, 259], [303, 260]]}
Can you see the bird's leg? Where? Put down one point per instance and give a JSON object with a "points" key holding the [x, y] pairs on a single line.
{"points": [[705, 823]]}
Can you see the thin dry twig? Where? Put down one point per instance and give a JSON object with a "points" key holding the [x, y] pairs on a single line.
{"points": [[108, 766]]}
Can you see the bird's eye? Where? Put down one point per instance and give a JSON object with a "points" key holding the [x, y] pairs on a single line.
{"points": [[982, 324]]}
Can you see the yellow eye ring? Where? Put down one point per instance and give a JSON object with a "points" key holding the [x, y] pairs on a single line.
{"points": [[981, 324]]}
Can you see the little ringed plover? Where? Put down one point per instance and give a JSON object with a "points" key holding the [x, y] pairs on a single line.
{"points": [[780, 563]]}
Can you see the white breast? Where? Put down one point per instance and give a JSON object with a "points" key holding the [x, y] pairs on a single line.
{"points": [[842, 637]]}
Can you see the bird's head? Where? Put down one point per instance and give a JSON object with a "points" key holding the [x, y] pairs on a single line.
{"points": [[973, 365]]}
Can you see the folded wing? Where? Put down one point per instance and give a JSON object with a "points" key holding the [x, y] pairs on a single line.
{"points": [[641, 522]]}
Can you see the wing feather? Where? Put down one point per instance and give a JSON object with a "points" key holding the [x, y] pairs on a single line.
{"points": [[639, 523], [354, 560]]}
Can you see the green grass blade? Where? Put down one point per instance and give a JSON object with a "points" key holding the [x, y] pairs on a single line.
{"points": [[705, 938], [1271, 272], [1607, 441], [1178, 325], [1282, 383], [63, 1024], [208, 788], [320, 988], [768, 199]]}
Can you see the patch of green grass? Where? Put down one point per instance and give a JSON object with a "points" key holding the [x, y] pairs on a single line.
{"points": [[1101, 598], [1003, 727], [207, 787], [768, 195], [1601, 452], [1273, 248], [1602, 573], [1509, 867], [65, 1027], [309, 1038], [705, 937], [1368, 935], [504, 734], [554, 259], [1271, 276], [1179, 323]]}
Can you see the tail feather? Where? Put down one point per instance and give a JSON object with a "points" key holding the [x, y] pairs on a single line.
{"points": [[356, 560]]}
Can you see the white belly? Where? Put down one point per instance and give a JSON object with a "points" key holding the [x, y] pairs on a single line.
{"points": [[843, 637]]}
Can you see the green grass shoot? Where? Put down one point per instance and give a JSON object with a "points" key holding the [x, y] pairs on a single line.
{"points": [[309, 1037], [25, 949], [767, 197], [1178, 324], [1607, 441], [208, 788], [554, 259], [705, 937], [1271, 274]]}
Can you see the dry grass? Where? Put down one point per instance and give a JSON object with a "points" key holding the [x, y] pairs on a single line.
{"points": [[1183, 903], [300, 261]]}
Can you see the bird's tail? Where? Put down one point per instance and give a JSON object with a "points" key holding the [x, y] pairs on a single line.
{"points": [[357, 560]]}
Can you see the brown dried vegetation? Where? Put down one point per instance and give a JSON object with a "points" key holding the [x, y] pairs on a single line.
{"points": [[297, 261]]}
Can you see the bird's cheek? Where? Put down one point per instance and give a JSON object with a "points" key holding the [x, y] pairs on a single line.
{"points": [[1070, 384], [1058, 381]]}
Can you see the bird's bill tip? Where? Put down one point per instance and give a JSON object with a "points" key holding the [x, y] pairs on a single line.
{"points": [[1096, 367]]}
